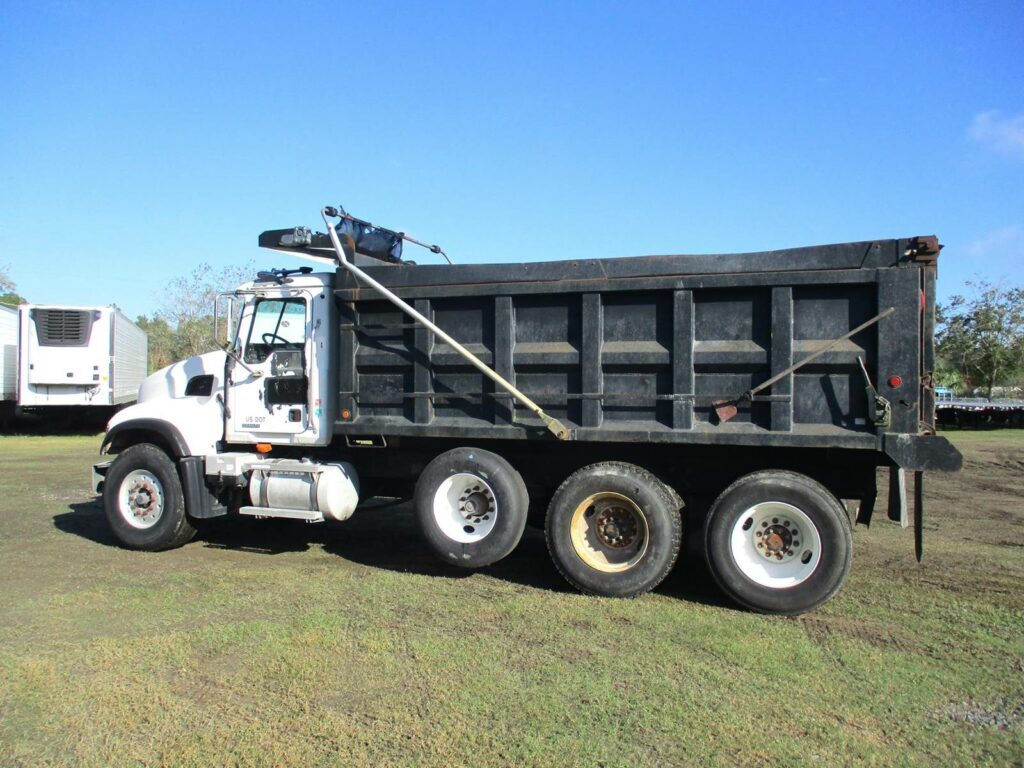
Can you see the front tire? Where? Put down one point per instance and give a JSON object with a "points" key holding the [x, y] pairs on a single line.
{"points": [[143, 500], [614, 529], [778, 542], [471, 506]]}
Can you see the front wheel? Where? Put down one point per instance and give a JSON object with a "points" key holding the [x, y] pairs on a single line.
{"points": [[778, 542], [143, 500]]}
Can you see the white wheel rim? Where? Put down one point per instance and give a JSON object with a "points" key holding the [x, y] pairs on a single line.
{"points": [[775, 545], [465, 508], [140, 499]]}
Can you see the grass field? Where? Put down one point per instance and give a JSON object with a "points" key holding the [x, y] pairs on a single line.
{"points": [[274, 643]]}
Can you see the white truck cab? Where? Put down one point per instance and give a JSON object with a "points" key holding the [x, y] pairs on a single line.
{"points": [[268, 387], [277, 391], [219, 415]]}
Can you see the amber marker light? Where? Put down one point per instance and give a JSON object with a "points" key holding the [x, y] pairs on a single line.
{"points": [[264, 447]]}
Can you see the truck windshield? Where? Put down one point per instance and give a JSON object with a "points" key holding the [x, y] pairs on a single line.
{"points": [[276, 324]]}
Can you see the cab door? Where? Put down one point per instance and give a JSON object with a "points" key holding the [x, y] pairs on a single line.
{"points": [[269, 396]]}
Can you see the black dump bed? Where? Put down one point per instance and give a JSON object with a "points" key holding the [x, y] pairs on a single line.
{"points": [[639, 349]]}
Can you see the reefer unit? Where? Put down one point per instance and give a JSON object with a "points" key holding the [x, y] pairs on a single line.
{"points": [[8, 355], [79, 356]]}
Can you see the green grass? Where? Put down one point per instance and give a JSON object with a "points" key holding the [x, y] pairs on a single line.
{"points": [[272, 643]]}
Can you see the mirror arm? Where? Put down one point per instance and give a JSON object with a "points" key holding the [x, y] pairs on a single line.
{"points": [[234, 356]]}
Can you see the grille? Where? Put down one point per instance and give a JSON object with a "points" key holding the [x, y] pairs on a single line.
{"points": [[63, 327]]}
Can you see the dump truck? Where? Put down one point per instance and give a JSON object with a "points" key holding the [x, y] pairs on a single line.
{"points": [[738, 404]]}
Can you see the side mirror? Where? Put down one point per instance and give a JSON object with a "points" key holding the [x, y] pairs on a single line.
{"points": [[225, 301]]}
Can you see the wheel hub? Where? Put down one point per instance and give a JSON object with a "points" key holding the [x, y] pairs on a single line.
{"points": [[777, 539], [142, 498], [616, 527], [476, 504]]}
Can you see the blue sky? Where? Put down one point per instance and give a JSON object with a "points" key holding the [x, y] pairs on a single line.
{"points": [[140, 139]]}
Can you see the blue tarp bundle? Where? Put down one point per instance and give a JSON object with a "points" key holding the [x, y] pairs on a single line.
{"points": [[375, 242]]}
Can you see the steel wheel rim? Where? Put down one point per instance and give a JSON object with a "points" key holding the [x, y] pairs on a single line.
{"points": [[775, 545], [609, 532], [140, 499], [465, 508]]}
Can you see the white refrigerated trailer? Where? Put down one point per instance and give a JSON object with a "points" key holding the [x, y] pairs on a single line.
{"points": [[78, 357], [8, 360]]}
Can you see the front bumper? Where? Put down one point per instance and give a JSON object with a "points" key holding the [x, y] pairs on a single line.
{"points": [[99, 472]]}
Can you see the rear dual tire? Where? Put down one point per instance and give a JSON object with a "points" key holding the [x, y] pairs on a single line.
{"points": [[778, 542], [471, 507], [613, 529]]}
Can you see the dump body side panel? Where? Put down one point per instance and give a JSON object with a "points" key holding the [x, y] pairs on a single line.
{"points": [[639, 350]]}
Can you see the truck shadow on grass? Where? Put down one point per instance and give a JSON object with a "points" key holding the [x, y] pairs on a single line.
{"points": [[388, 540]]}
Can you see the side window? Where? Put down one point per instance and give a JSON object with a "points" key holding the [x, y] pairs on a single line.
{"points": [[276, 324]]}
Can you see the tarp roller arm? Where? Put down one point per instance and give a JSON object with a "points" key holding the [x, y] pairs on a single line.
{"points": [[556, 427]]}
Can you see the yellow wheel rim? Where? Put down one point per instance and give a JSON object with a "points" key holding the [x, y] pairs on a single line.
{"points": [[609, 532]]}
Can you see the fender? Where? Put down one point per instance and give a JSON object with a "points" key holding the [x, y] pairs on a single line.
{"points": [[922, 452], [168, 433]]}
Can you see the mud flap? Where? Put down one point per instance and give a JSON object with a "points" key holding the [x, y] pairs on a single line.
{"points": [[867, 507], [919, 515], [898, 496]]}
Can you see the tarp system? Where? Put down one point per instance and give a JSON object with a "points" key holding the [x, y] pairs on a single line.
{"points": [[369, 240]]}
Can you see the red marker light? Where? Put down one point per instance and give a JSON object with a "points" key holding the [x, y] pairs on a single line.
{"points": [[895, 381]]}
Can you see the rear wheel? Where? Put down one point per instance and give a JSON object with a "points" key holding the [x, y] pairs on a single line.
{"points": [[143, 500], [778, 542], [613, 529], [471, 506]]}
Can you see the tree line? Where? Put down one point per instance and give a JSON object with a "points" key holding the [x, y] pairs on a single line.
{"points": [[183, 325], [980, 339]]}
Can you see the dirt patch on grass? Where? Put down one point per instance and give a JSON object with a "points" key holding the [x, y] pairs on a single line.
{"points": [[1002, 715], [824, 630]]}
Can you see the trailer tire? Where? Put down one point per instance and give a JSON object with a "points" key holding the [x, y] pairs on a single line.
{"points": [[143, 500], [471, 507], [753, 542], [613, 529]]}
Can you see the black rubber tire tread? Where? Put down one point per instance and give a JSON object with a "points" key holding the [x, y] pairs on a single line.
{"points": [[173, 529], [510, 493], [660, 505], [677, 499], [815, 501]]}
